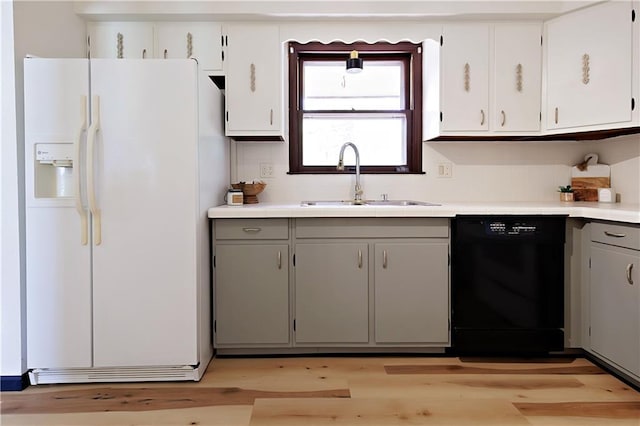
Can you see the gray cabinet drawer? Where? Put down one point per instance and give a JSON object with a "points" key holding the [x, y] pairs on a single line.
{"points": [[251, 229], [372, 228], [618, 235]]}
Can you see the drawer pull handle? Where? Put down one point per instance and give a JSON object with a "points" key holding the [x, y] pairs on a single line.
{"points": [[614, 234], [504, 118], [629, 270], [556, 115], [252, 230], [482, 117], [384, 259], [359, 259], [279, 259]]}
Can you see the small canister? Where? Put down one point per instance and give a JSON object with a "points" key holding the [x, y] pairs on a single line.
{"points": [[234, 197]]}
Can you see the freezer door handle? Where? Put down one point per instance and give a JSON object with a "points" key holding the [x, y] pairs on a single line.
{"points": [[84, 220], [91, 189]]}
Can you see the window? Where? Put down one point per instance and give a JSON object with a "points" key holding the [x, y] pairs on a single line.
{"points": [[379, 109]]}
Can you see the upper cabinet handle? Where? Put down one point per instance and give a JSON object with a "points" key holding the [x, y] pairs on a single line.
{"points": [[519, 77], [504, 118], [482, 117], [144, 53], [189, 45], [120, 46], [467, 77], [252, 77], [614, 234], [629, 270], [556, 115], [165, 53]]}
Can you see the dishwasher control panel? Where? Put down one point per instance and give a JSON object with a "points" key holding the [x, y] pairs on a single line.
{"points": [[509, 228]]}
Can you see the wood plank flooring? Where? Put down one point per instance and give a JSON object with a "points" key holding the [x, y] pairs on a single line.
{"points": [[414, 390]]}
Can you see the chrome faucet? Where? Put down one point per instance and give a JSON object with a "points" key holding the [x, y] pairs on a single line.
{"points": [[358, 193]]}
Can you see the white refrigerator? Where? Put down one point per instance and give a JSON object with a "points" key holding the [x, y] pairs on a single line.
{"points": [[122, 160]]}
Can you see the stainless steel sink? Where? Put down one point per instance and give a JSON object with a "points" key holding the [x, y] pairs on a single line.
{"points": [[400, 203]]}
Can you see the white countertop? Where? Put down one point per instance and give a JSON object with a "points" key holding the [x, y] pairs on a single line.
{"points": [[605, 211]]}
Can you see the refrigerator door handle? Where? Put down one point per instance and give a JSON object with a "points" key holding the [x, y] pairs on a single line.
{"points": [[84, 220], [91, 190]]}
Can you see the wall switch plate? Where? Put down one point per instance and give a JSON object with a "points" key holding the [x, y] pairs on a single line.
{"points": [[266, 170], [445, 170]]}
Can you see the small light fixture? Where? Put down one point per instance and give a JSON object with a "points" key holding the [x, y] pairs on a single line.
{"points": [[354, 64]]}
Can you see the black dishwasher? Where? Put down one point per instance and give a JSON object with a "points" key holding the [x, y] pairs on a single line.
{"points": [[507, 284]]}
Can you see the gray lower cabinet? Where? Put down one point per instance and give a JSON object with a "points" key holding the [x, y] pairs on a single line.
{"points": [[331, 286], [251, 290], [411, 293], [615, 294]]}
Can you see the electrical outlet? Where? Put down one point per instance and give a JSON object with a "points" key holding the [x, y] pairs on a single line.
{"points": [[445, 170], [266, 170]]}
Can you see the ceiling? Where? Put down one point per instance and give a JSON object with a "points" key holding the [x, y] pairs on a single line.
{"points": [[283, 10]]}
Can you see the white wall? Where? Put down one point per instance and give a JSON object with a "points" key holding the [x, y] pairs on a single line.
{"points": [[12, 362], [48, 29]]}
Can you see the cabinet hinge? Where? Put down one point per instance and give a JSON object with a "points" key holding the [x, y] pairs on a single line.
{"points": [[441, 40], [294, 324]]}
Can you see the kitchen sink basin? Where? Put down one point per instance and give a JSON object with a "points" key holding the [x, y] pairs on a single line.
{"points": [[401, 203]]}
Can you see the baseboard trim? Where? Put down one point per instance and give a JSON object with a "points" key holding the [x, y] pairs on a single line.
{"points": [[14, 383]]}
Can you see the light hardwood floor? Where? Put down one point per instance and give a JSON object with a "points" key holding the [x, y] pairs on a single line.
{"points": [[345, 391]]}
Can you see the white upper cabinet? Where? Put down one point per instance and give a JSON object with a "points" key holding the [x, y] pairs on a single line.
{"points": [[490, 79], [589, 67], [129, 40], [253, 87], [516, 79], [199, 40], [465, 78]]}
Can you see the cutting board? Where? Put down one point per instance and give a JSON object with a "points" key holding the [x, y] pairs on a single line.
{"points": [[585, 183]]}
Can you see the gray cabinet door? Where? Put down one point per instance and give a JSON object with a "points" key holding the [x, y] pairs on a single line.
{"points": [[331, 293], [411, 293], [252, 294], [615, 305]]}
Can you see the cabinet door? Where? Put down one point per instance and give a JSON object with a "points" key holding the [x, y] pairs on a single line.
{"points": [[200, 40], [589, 66], [332, 293], [411, 293], [129, 40], [252, 294], [253, 80], [615, 305], [516, 77], [465, 78]]}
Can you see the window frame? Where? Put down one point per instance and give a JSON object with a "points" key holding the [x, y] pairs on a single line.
{"points": [[409, 53]]}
